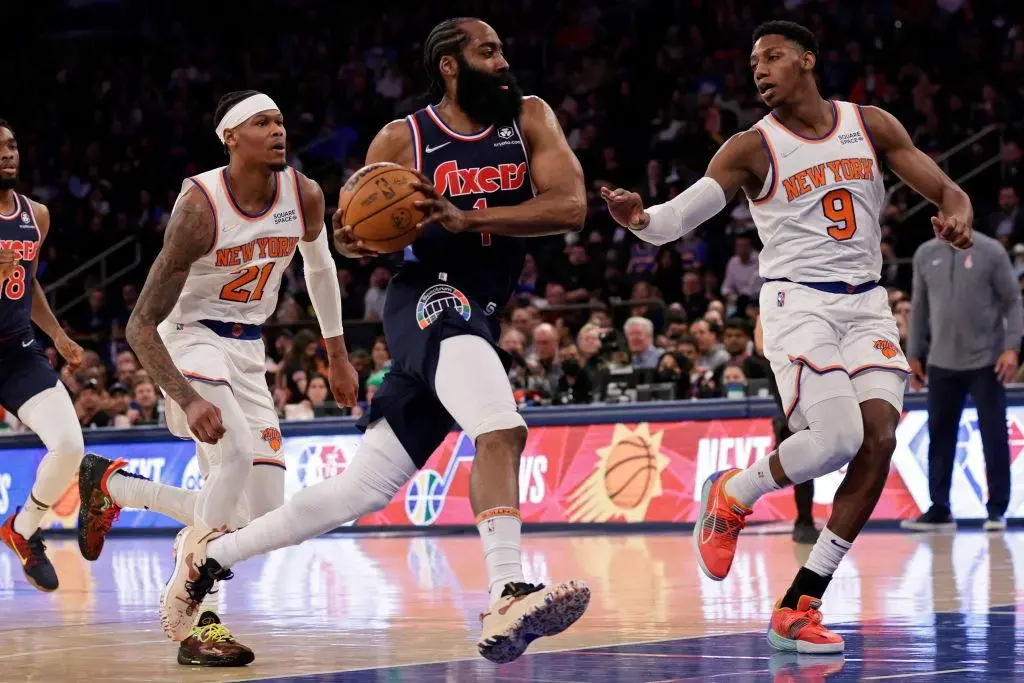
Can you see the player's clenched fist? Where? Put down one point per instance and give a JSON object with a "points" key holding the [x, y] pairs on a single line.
{"points": [[8, 260], [627, 208], [954, 229], [204, 420]]}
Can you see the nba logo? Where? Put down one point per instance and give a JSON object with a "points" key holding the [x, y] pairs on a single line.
{"points": [[781, 299]]}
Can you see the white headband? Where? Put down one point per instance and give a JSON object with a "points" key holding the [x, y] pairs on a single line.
{"points": [[243, 111]]}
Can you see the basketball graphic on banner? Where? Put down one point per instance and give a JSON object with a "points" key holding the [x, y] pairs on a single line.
{"points": [[425, 498], [626, 478]]}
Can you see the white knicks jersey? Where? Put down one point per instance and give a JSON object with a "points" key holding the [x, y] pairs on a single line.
{"points": [[818, 212], [238, 280]]}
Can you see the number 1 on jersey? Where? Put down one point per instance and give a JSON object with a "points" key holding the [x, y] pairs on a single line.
{"points": [[837, 206], [485, 237]]}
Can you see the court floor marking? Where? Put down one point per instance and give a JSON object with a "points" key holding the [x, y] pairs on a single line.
{"points": [[585, 650], [918, 674]]}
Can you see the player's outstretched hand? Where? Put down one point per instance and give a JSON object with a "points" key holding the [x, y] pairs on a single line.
{"points": [[345, 241], [204, 420], [954, 229], [344, 382], [627, 208], [70, 351], [8, 260], [437, 209]]}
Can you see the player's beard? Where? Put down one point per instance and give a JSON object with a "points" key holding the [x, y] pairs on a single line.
{"points": [[8, 182], [277, 168], [487, 98]]}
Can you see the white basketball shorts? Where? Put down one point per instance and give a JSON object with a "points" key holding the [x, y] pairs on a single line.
{"points": [[824, 345], [205, 357]]}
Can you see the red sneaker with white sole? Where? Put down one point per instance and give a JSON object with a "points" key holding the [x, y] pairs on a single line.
{"points": [[800, 629]]}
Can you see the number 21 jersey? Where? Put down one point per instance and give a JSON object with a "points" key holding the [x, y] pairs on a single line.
{"points": [[239, 278], [818, 212]]}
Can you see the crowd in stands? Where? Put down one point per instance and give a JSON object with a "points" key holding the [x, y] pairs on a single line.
{"points": [[645, 91]]}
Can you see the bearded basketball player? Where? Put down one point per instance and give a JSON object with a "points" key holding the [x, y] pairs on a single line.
{"points": [[29, 387], [811, 171], [496, 168], [196, 328]]}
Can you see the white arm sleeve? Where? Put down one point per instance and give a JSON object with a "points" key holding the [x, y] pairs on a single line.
{"points": [[322, 284], [684, 212]]}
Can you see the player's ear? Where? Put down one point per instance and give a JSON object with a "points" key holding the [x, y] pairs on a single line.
{"points": [[808, 60], [229, 138], [449, 65]]}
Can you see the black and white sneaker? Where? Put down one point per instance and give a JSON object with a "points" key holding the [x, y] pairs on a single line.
{"points": [[933, 520], [994, 523]]}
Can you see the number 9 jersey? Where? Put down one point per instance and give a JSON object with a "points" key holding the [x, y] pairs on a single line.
{"points": [[818, 212], [239, 278]]}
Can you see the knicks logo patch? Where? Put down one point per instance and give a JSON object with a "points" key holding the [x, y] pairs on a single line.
{"points": [[888, 349], [273, 437], [438, 299], [781, 299]]}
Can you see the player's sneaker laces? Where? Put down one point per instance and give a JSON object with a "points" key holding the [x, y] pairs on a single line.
{"points": [[32, 552], [718, 526], [527, 611], [210, 643], [191, 581], [800, 629], [98, 511]]}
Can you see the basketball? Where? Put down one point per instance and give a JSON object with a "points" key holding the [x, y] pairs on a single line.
{"points": [[377, 201], [629, 472]]}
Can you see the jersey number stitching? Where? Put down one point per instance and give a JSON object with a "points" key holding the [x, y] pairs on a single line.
{"points": [[14, 287], [485, 237], [837, 206], [233, 291]]}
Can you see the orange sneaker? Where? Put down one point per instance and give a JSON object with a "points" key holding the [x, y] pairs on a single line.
{"points": [[718, 526], [800, 629]]}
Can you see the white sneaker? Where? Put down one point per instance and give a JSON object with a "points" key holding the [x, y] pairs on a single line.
{"points": [[994, 524], [192, 580], [525, 612]]}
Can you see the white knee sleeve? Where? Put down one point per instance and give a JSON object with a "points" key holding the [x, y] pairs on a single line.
{"points": [[229, 461], [379, 469], [834, 435], [51, 415], [472, 385]]}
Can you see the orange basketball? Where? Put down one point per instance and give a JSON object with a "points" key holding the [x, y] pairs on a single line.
{"points": [[629, 472], [377, 201]]}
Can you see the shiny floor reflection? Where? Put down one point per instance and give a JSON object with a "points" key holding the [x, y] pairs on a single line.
{"points": [[405, 608]]}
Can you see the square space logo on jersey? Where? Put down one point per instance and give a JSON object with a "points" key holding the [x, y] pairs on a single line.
{"points": [[438, 299]]}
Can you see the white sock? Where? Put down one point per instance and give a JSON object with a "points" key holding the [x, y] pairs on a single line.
{"points": [[827, 553], [752, 483], [500, 530], [134, 491], [30, 516]]}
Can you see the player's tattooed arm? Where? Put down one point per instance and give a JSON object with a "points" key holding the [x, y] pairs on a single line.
{"points": [[561, 202], [42, 314], [190, 234], [918, 170]]}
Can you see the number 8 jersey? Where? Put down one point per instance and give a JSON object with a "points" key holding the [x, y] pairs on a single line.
{"points": [[238, 279], [818, 212]]}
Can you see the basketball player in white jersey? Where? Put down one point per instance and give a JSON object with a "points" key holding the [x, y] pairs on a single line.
{"points": [[811, 171], [196, 330]]}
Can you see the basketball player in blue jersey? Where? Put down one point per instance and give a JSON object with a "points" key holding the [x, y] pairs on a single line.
{"points": [[496, 168], [29, 387]]}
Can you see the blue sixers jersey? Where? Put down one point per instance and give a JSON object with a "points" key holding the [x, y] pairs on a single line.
{"points": [[20, 232], [488, 168]]}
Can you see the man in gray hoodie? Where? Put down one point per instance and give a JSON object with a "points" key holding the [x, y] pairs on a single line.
{"points": [[966, 324]]}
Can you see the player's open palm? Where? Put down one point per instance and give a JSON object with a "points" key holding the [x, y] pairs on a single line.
{"points": [[437, 209], [205, 421], [627, 208], [345, 240], [344, 382], [8, 261]]}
